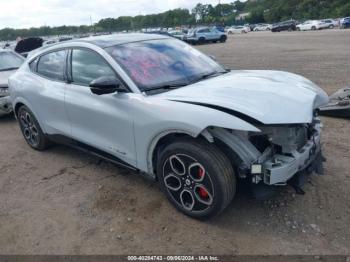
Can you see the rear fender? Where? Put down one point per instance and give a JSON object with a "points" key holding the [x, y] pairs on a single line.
{"points": [[19, 100]]}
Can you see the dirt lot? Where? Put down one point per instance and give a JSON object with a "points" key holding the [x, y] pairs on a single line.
{"points": [[65, 202]]}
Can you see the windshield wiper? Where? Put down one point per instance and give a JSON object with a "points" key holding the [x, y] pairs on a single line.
{"points": [[166, 86], [9, 68]]}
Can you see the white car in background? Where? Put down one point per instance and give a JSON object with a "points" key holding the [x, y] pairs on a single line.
{"points": [[238, 30], [262, 27], [311, 25], [9, 63]]}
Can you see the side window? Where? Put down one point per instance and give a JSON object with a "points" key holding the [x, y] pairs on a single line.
{"points": [[52, 64], [87, 66], [203, 31]]}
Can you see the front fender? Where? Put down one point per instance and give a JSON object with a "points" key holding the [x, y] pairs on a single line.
{"points": [[162, 117]]}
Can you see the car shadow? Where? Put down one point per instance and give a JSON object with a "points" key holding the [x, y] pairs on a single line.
{"points": [[7, 118], [244, 205]]}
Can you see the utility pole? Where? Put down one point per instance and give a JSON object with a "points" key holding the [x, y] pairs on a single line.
{"points": [[93, 27]]}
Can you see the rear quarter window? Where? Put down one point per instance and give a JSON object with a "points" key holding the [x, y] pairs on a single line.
{"points": [[52, 65]]}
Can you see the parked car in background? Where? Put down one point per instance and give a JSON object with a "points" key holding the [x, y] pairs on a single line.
{"points": [[237, 30], [159, 32], [262, 27], [10, 61], [341, 20], [311, 25], [329, 23], [27, 45], [220, 28], [203, 35], [284, 26], [345, 23], [50, 42], [9, 45], [177, 34], [158, 106], [250, 27]]}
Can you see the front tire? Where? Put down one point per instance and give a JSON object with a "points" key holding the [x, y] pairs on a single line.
{"points": [[197, 178], [31, 129], [223, 39]]}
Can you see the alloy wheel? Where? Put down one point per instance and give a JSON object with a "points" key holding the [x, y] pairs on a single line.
{"points": [[188, 183], [29, 128]]}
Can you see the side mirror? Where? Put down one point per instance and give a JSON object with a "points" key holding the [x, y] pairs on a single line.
{"points": [[106, 85]]}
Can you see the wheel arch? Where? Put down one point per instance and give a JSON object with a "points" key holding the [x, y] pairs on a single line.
{"points": [[16, 107], [160, 141], [21, 102], [238, 151]]}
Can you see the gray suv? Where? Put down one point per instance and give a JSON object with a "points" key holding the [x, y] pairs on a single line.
{"points": [[203, 35]]}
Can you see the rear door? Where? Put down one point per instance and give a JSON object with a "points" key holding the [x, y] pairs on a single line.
{"points": [[101, 121], [205, 32], [214, 34], [48, 96]]}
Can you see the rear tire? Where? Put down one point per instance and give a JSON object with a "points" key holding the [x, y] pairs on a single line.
{"points": [[31, 129], [197, 178], [201, 40]]}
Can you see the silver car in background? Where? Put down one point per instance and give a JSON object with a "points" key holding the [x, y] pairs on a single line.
{"points": [[202, 35], [9, 63]]}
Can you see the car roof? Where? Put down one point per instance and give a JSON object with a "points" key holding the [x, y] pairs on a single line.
{"points": [[119, 39], [202, 27]]}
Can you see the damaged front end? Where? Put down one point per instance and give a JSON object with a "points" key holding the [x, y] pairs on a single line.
{"points": [[291, 149], [278, 155]]}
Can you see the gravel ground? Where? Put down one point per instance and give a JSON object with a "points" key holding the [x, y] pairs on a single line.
{"points": [[65, 202]]}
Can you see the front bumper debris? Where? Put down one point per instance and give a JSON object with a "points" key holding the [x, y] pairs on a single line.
{"points": [[339, 105], [281, 168]]}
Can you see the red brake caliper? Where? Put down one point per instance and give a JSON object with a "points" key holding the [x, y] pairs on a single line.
{"points": [[202, 192]]}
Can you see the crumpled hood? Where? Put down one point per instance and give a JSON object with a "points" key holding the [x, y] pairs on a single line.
{"points": [[271, 97], [4, 76]]}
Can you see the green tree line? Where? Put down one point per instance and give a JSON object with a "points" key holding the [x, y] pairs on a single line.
{"points": [[224, 14]]}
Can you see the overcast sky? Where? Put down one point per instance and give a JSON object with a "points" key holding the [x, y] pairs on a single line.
{"points": [[35, 13]]}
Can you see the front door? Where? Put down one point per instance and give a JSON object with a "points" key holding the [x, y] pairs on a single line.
{"points": [[101, 121]]}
